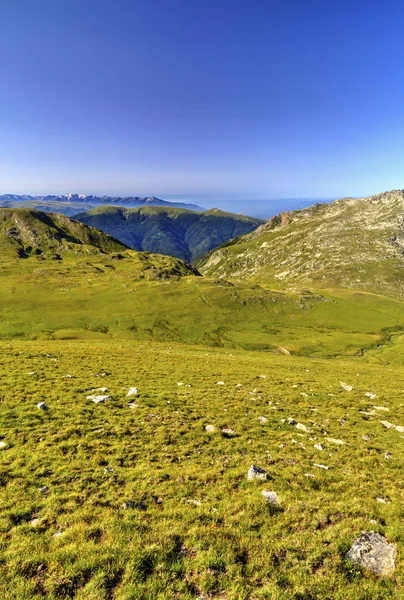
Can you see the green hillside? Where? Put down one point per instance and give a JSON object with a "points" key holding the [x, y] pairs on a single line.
{"points": [[350, 243], [25, 232], [177, 232]]}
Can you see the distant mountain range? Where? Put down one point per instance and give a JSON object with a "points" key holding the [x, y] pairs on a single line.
{"points": [[176, 232], [70, 204]]}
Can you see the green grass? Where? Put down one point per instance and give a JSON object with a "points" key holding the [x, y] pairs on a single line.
{"points": [[143, 297], [197, 528]]}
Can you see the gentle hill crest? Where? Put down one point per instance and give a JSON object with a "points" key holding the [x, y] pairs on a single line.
{"points": [[355, 243], [177, 232]]}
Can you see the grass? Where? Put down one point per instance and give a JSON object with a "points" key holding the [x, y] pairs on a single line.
{"points": [[196, 526], [144, 297]]}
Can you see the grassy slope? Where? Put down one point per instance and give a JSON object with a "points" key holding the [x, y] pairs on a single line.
{"points": [[197, 527], [24, 232], [142, 297], [174, 231], [349, 243]]}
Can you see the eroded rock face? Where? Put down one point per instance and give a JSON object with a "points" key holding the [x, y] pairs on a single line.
{"points": [[373, 552]]}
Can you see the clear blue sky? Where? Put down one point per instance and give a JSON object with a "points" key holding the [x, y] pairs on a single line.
{"points": [[202, 98]]}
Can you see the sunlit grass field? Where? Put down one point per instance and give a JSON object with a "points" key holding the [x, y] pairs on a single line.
{"points": [[193, 526]]}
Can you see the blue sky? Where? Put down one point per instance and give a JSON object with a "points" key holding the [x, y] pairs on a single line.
{"points": [[202, 99]]}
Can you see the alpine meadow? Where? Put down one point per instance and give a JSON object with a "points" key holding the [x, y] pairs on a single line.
{"points": [[201, 300]]}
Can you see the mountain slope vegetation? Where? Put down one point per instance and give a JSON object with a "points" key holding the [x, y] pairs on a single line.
{"points": [[350, 243], [182, 233]]}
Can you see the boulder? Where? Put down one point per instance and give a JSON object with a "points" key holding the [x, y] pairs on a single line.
{"points": [[270, 497], [255, 472], [373, 552], [99, 399]]}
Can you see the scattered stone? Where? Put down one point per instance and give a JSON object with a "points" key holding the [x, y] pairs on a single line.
{"points": [[400, 429], [292, 421], [44, 489], [99, 399], [283, 351], [334, 441], [382, 408], [262, 376], [108, 470], [270, 497], [68, 376], [320, 466], [32, 373], [319, 447], [387, 455], [228, 431], [3, 445], [133, 405], [309, 475], [366, 438], [210, 428], [388, 425], [302, 427], [179, 383], [304, 394], [368, 413], [262, 419], [381, 500], [370, 395], [373, 552], [346, 387], [194, 502], [255, 472], [34, 522], [57, 534], [132, 392], [42, 406], [239, 385], [127, 505], [219, 382]]}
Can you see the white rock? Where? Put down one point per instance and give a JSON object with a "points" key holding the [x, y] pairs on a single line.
{"points": [[34, 522], [366, 438], [219, 382], [102, 389], [309, 475], [3, 445], [132, 392], [346, 387], [388, 425], [262, 419], [374, 553], [370, 395], [387, 455], [302, 427], [210, 428], [99, 399], [228, 431], [179, 383], [384, 408], [381, 500], [334, 441], [320, 466], [255, 472], [319, 447], [57, 534], [270, 497], [42, 406], [132, 405], [400, 428]]}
